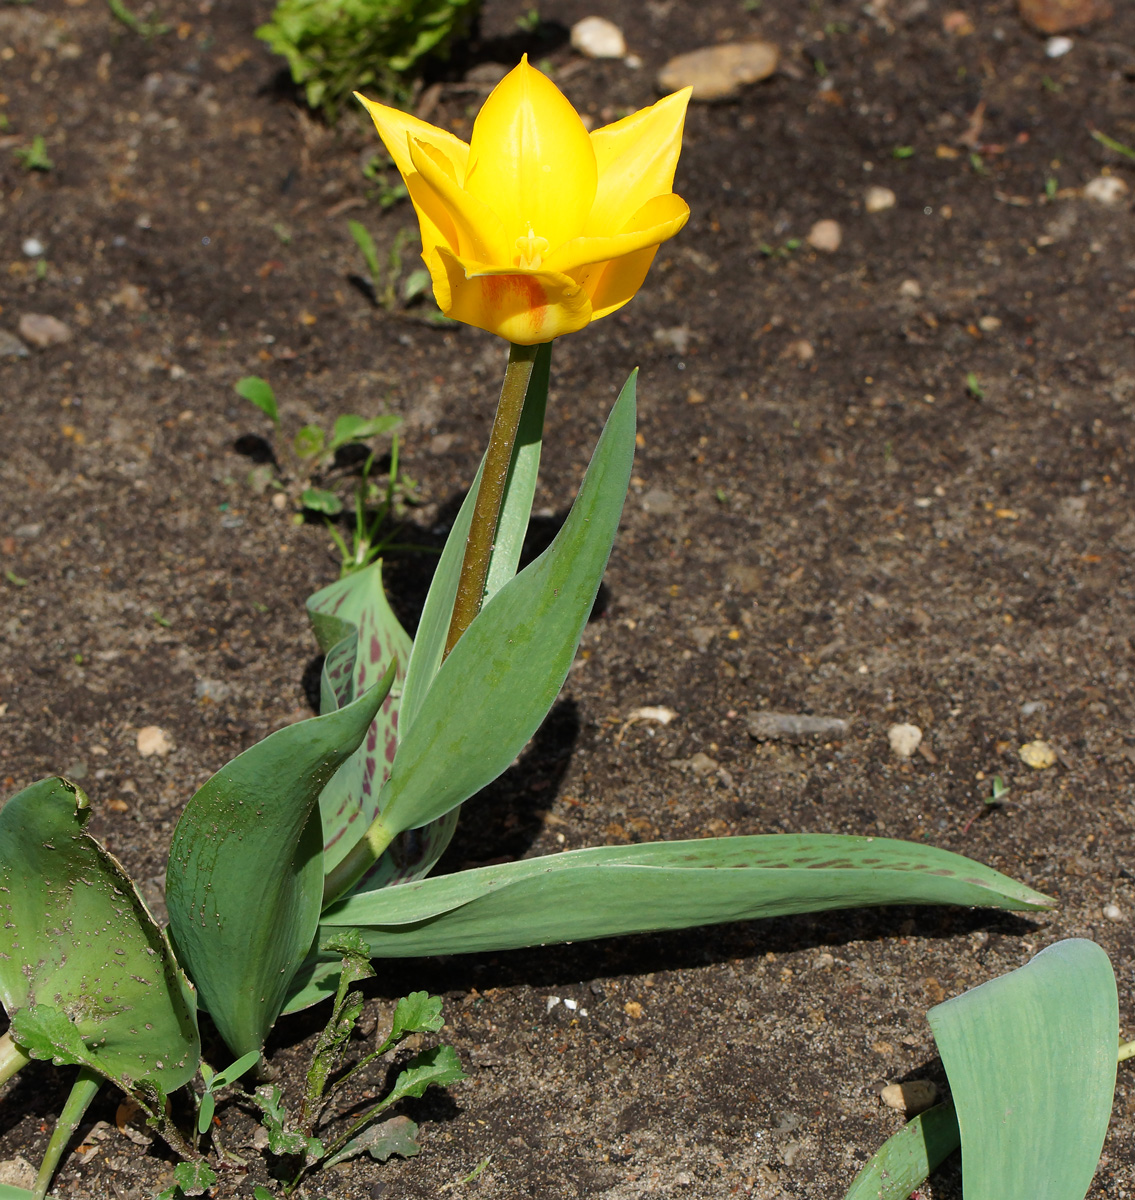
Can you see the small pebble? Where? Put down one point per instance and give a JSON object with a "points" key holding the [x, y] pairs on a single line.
{"points": [[774, 726], [1113, 912], [801, 349], [911, 288], [551, 1003], [676, 338], [989, 324], [1105, 189], [904, 739], [825, 235], [597, 37], [660, 503], [879, 199], [42, 331], [1038, 755], [1032, 707], [633, 1010], [1057, 47], [1060, 16], [912, 1097], [716, 72], [11, 346], [153, 740], [33, 247]]}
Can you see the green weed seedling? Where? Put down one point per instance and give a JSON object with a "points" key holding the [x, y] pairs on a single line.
{"points": [[34, 157], [336, 47], [315, 454]]}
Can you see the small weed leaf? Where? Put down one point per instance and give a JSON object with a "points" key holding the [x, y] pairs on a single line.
{"points": [[308, 442], [281, 1139], [321, 501], [259, 392], [381, 1141], [352, 428], [439, 1066], [419, 1012]]}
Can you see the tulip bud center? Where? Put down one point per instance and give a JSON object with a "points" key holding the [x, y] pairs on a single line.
{"points": [[531, 250]]}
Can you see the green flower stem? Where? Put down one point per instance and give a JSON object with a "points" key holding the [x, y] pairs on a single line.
{"points": [[361, 857], [1126, 1051], [486, 510], [12, 1058], [84, 1091]]}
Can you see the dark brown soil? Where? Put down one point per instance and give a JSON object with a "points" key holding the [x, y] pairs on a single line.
{"points": [[825, 518]]}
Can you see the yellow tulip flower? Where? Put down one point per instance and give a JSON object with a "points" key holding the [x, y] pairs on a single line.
{"points": [[536, 227]]}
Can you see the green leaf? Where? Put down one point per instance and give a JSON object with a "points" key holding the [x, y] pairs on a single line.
{"points": [[259, 392], [9, 1191], [419, 1012], [205, 1111], [258, 1193], [439, 1066], [418, 283], [86, 975], [234, 1071], [194, 1178], [308, 442], [503, 676], [245, 878], [1031, 1059], [381, 1141], [612, 890], [360, 636], [351, 428], [282, 1140], [322, 501], [366, 247], [905, 1160]]}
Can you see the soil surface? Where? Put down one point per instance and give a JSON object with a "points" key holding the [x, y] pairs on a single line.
{"points": [[889, 482]]}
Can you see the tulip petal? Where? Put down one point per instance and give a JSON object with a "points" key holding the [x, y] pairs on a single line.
{"points": [[479, 233], [660, 218], [636, 158], [531, 159], [397, 128], [526, 307]]}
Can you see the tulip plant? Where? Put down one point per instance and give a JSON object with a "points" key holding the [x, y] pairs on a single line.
{"points": [[304, 863]]}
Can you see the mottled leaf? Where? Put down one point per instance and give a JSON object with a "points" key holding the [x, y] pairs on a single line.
{"points": [[614, 890], [86, 975]]}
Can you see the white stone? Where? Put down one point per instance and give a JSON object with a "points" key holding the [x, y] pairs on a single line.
{"points": [[825, 235], [879, 199], [1113, 912], [1057, 47], [904, 739], [911, 288], [33, 247], [1105, 189], [598, 38], [153, 740]]}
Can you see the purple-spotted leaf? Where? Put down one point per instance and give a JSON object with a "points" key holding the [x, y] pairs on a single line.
{"points": [[612, 890], [361, 636]]}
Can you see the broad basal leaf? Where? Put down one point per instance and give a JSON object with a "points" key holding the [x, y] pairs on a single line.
{"points": [[1031, 1059], [245, 878], [664, 885], [85, 974]]}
